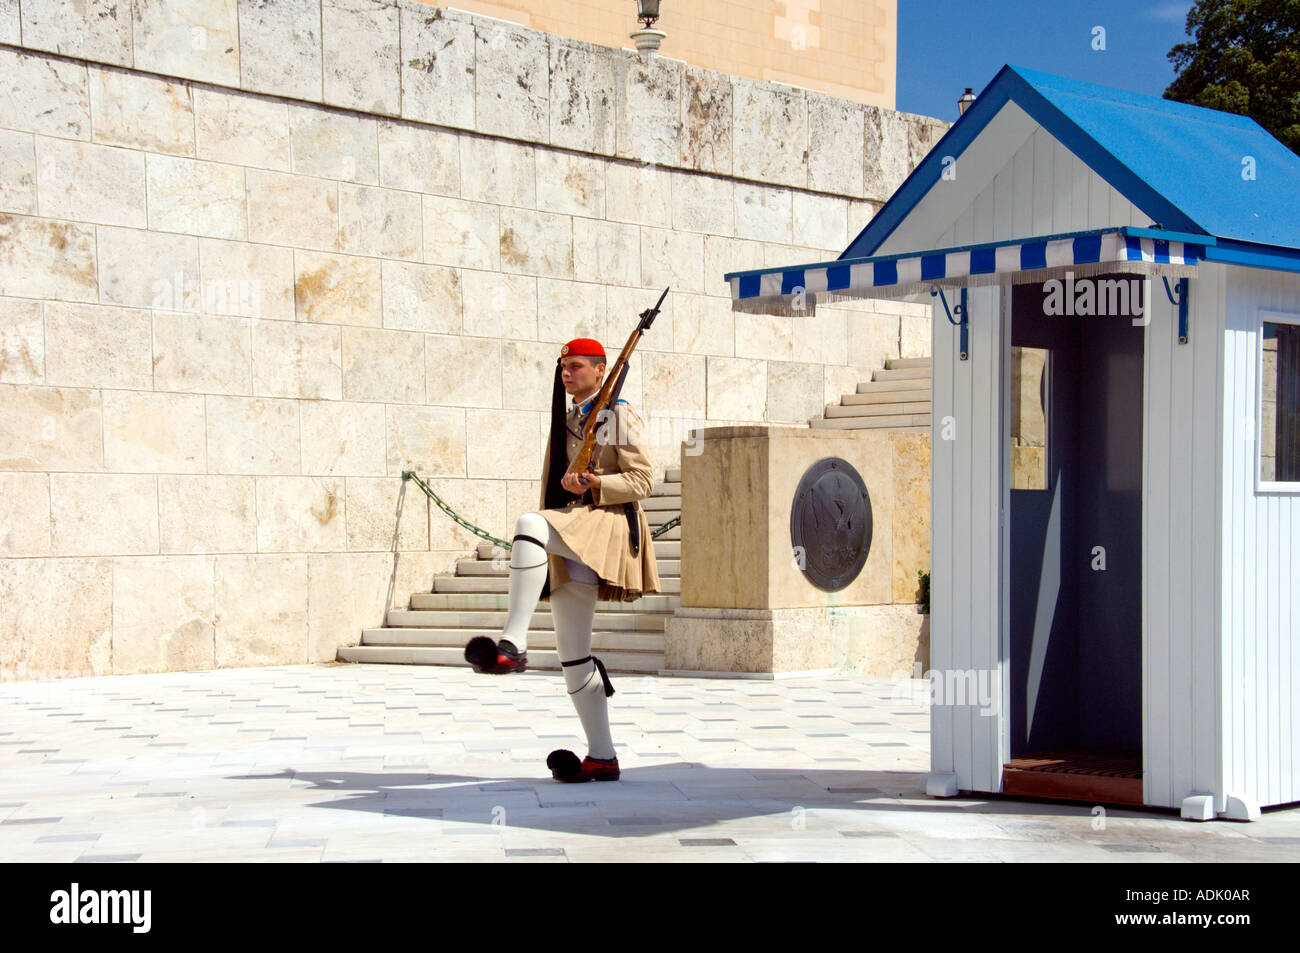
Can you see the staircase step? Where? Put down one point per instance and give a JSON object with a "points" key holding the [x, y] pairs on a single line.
{"points": [[541, 640], [911, 395], [660, 503], [500, 601], [630, 662], [655, 518], [893, 363], [496, 619], [902, 374], [882, 387], [664, 549], [877, 410], [921, 421], [501, 584], [480, 568]]}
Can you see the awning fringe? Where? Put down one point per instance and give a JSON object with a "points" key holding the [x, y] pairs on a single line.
{"points": [[809, 301]]}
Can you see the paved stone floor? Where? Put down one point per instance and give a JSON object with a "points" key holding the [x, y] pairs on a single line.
{"points": [[402, 763]]}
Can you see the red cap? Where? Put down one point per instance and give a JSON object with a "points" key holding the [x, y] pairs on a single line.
{"points": [[582, 347]]}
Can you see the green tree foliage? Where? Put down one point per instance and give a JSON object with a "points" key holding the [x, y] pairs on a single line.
{"points": [[1244, 58]]}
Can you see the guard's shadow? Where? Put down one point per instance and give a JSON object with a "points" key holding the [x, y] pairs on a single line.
{"points": [[658, 799]]}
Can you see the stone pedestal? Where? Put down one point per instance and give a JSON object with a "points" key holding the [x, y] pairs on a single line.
{"points": [[747, 606]]}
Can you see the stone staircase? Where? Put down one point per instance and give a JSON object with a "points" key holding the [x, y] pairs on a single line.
{"points": [[628, 636], [896, 398]]}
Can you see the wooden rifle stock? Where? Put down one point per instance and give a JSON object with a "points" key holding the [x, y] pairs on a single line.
{"points": [[584, 459]]}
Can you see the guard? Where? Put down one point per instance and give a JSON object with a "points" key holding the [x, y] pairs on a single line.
{"points": [[590, 541]]}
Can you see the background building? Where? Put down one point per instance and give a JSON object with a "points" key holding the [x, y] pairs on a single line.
{"points": [[258, 258], [847, 48]]}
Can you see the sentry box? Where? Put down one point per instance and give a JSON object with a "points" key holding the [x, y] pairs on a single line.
{"points": [[1115, 498]]}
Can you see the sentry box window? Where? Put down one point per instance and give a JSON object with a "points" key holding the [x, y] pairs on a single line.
{"points": [[1279, 402]]}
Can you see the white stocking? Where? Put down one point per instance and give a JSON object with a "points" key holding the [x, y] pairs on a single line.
{"points": [[528, 574], [574, 605]]}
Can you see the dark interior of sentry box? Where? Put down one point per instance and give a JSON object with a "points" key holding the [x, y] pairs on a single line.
{"points": [[1075, 629]]}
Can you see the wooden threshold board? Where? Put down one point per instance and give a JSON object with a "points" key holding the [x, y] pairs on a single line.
{"points": [[1112, 777]]}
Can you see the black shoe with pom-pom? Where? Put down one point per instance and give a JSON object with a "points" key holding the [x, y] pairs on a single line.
{"points": [[495, 658], [565, 766]]}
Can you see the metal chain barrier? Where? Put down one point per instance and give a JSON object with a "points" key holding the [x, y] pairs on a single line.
{"points": [[484, 534], [411, 475], [675, 521]]}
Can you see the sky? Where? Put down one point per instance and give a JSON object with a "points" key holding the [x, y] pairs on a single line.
{"points": [[946, 45]]}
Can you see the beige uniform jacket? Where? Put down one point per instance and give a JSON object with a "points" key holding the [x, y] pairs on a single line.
{"points": [[599, 533]]}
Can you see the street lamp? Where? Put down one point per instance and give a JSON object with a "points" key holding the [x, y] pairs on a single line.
{"points": [[648, 38], [963, 104]]}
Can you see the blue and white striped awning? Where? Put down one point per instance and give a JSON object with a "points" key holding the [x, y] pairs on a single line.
{"points": [[798, 290]]}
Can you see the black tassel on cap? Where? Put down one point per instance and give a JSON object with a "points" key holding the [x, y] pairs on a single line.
{"points": [[556, 495]]}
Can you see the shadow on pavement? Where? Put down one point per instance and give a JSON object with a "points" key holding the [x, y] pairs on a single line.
{"points": [[656, 799]]}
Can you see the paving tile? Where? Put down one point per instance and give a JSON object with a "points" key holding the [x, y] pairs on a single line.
{"points": [[868, 834], [30, 820], [1129, 848], [108, 858], [66, 838]]}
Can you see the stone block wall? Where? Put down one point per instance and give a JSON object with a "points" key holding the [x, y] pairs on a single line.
{"points": [[257, 258]]}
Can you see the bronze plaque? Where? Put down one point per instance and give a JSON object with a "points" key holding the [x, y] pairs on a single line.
{"points": [[830, 524]]}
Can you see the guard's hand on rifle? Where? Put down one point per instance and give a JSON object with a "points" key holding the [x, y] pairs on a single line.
{"points": [[579, 483]]}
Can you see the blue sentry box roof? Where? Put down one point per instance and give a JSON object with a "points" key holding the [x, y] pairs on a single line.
{"points": [[1183, 165]]}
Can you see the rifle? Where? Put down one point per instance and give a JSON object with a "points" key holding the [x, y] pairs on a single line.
{"points": [[584, 459]]}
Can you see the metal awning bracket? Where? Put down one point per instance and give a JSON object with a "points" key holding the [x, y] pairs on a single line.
{"points": [[1181, 302], [961, 312]]}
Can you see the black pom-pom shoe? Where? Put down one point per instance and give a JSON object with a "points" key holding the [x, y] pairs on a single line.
{"points": [[495, 658], [565, 766]]}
